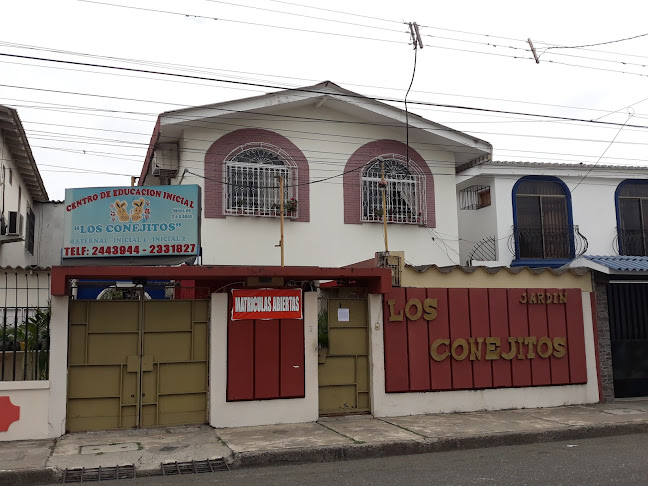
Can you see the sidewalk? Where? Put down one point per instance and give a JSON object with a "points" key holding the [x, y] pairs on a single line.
{"points": [[329, 439]]}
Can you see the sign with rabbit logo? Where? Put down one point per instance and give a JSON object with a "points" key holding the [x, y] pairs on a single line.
{"points": [[132, 222]]}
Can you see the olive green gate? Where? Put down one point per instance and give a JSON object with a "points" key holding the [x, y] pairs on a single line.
{"points": [[137, 363], [344, 365]]}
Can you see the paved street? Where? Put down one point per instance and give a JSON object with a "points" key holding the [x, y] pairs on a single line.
{"points": [[621, 460]]}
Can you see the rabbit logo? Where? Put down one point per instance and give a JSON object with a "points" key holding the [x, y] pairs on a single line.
{"points": [[122, 213], [138, 209]]}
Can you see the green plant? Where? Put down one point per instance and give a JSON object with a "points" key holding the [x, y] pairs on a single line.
{"points": [[291, 205], [322, 329]]}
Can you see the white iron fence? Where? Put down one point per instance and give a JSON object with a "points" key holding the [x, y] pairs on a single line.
{"points": [[405, 200]]}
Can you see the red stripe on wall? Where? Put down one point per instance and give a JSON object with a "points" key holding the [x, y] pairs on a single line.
{"points": [[519, 327], [439, 328], [417, 342], [266, 359], [395, 339], [291, 377], [557, 324], [480, 328], [460, 329], [240, 360], [575, 336], [538, 328], [498, 312]]}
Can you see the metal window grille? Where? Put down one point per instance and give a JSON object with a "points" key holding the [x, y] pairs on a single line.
{"points": [[24, 325], [404, 194], [474, 197], [253, 183]]}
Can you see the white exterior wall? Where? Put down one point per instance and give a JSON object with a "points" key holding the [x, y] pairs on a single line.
{"points": [[325, 240], [398, 404], [49, 233], [33, 399], [476, 224], [593, 204], [260, 412], [45, 243]]}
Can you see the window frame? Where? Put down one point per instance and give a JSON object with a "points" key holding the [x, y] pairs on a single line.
{"points": [[417, 183], [543, 261], [266, 208], [617, 208]]}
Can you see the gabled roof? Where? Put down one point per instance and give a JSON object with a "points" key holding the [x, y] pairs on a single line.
{"points": [[15, 139], [466, 147]]}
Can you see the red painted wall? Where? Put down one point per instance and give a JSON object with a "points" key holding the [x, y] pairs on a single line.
{"points": [[470, 314]]}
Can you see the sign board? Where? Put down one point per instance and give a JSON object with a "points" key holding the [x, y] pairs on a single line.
{"points": [[266, 304], [131, 222], [456, 339]]}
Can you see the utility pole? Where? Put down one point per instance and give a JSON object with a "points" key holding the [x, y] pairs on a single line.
{"points": [[281, 217], [416, 36], [533, 51], [383, 185]]}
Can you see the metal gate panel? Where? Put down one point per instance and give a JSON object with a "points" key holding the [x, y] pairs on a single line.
{"points": [[628, 311], [344, 371], [134, 363], [100, 395], [174, 362]]}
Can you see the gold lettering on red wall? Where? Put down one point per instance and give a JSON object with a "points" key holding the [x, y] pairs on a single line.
{"points": [[520, 348]]}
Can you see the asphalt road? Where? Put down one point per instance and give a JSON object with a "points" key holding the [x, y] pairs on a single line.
{"points": [[619, 460]]}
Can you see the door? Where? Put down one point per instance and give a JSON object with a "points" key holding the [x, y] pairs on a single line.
{"points": [[137, 363], [344, 365], [628, 311]]}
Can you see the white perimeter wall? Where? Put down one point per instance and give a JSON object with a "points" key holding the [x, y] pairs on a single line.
{"points": [[397, 404], [33, 399], [260, 412], [325, 240]]}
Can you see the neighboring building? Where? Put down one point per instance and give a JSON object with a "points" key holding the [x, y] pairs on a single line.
{"points": [[545, 215], [237, 150]]}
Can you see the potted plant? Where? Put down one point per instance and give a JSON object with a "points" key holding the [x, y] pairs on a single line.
{"points": [[291, 206]]}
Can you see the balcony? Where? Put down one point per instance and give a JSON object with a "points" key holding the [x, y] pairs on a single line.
{"points": [[551, 246], [632, 242]]}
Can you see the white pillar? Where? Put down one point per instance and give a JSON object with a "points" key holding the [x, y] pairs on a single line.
{"points": [[58, 365]]}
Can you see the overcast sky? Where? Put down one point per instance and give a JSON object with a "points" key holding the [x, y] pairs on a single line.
{"points": [[84, 123]]}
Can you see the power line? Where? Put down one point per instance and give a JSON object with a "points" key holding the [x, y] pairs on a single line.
{"points": [[597, 44], [184, 67], [255, 24], [314, 91]]}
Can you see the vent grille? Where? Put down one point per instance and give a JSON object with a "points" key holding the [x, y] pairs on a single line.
{"points": [[85, 475], [193, 467]]}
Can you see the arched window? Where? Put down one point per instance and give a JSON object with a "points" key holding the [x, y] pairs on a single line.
{"points": [[404, 193], [542, 219], [252, 173], [632, 217]]}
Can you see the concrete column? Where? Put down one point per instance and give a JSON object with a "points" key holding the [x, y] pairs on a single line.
{"points": [[58, 365], [376, 353]]}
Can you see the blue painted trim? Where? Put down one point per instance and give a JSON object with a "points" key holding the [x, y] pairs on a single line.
{"points": [[616, 207], [540, 263], [570, 218]]}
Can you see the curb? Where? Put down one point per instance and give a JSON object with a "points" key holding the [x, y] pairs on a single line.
{"points": [[374, 450], [25, 477]]}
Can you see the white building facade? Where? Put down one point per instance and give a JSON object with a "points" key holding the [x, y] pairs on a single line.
{"points": [[330, 145], [546, 215]]}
